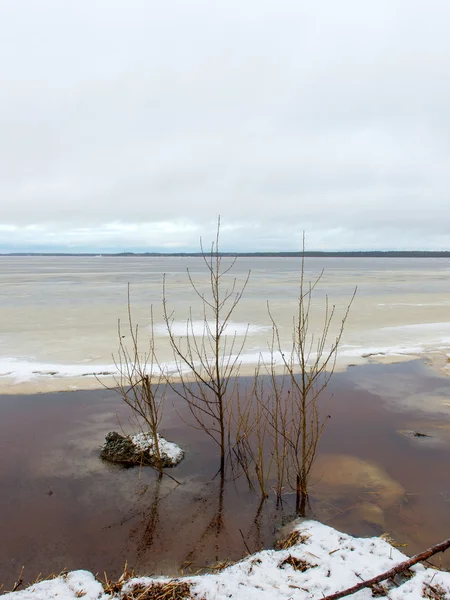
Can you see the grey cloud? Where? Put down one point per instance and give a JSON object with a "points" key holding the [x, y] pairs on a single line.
{"points": [[280, 116]]}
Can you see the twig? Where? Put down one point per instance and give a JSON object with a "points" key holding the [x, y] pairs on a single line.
{"points": [[19, 581], [245, 543], [442, 547]]}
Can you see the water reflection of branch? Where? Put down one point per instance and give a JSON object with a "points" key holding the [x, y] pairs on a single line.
{"points": [[136, 508], [256, 528], [214, 527], [148, 535]]}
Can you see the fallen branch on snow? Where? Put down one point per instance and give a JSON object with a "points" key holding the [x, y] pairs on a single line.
{"points": [[442, 547]]}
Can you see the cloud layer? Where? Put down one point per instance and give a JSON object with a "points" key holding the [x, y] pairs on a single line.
{"points": [[133, 125]]}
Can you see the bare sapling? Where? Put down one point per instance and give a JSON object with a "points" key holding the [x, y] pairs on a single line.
{"points": [[260, 428], [207, 362], [140, 381], [250, 431], [277, 418], [307, 370], [239, 429]]}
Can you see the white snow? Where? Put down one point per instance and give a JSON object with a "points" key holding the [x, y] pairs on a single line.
{"points": [[169, 450], [337, 561], [408, 341], [76, 584], [21, 370], [200, 327]]}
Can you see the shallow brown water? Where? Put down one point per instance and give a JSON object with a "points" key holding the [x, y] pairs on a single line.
{"points": [[62, 507]]}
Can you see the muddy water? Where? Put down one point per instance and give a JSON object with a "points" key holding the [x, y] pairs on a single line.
{"points": [[62, 507]]}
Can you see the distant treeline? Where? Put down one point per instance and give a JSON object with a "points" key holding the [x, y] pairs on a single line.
{"points": [[354, 254]]}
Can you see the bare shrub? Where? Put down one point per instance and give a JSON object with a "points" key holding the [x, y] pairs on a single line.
{"points": [[251, 434], [207, 364], [140, 381], [307, 371], [280, 431]]}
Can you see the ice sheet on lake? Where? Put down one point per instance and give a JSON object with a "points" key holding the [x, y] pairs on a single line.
{"points": [[58, 321]]}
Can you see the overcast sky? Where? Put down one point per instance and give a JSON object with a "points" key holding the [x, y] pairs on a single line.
{"points": [[130, 125]]}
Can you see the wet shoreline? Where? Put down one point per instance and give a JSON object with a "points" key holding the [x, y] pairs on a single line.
{"points": [[62, 507]]}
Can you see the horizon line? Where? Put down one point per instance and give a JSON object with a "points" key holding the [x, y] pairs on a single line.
{"points": [[281, 254]]}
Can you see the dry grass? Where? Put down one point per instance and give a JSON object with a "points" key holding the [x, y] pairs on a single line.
{"points": [[221, 565], [49, 577], [114, 587], [192, 569], [390, 540], [433, 592], [296, 537], [170, 590], [156, 590], [298, 564], [378, 590], [253, 563], [20, 582]]}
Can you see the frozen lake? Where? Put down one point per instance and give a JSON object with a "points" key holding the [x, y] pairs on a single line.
{"points": [[58, 315]]}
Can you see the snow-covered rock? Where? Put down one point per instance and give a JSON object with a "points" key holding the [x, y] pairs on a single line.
{"points": [[139, 449]]}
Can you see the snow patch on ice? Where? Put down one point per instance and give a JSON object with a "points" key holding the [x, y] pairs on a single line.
{"points": [[387, 343], [418, 327], [441, 303], [25, 370], [22, 370], [200, 327]]}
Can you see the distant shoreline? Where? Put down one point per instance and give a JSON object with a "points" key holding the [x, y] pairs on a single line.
{"points": [[312, 254]]}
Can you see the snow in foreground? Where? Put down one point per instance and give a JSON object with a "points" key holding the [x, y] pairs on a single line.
{"points": [[324, 561]]}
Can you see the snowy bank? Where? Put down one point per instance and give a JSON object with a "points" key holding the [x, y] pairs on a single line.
{"points": [[77, 584], [320, 562], [139, 449]]}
